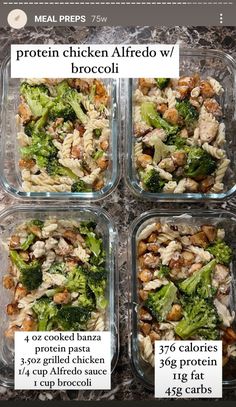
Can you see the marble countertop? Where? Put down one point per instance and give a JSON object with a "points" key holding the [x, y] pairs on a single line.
{"points": [[122, 205]]}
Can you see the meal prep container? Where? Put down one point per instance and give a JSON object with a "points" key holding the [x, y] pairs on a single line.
{"points": [[220, 66], [9, 219], [227, 220], [10, 176]]}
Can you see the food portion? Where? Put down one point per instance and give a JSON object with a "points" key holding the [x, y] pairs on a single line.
{"points": [[57, 277], [64, 136], [184, 286], [179, 135]]}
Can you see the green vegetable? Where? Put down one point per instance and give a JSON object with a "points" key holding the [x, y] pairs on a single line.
{"points": [[152, 118], [200, 318], [159, 303], [28, 242], [36, 96], [188, 112], [221, 251], [98, 154], [152, 181], [176, 140], [54, 168], [199, 164], [62, 88], [46, 312], [163, 271], [36, 222], [62, 110], [200, 281], [80, 186], [42, 146], [31, 273], [71, 318], [57, 268], [74, 99], [162, 82], [92, 240], [97, 281], [77, 282], [97, 133]]}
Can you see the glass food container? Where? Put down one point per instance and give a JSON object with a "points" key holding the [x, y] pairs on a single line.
{"points": [[9, 219], [220, 66], [10, 176], [227, 220]]}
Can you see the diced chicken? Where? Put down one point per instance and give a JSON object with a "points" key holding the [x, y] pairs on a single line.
{"points": [[154, 336], [160, 133], [103, 162], [220, 273], [24, 112], [150, 260], [188, 258], [191, 185], [51, 243], [210, 232], [206, 184], [153, 247], [212, 106], [62, 298], [29, 324], [171, 115], [63, 247], [144, 315], [14, 242], [223, 313], [35, 230], [179, 158], [195, 267], [143, 160], [20, 292], [199, 239], [167, 164], [142, 248], [145, 327], [12, 309], [207, 90], [175, 313], [145, 275], [161, 108], [145, 84], [8, 282], [143, 295], [81, 254], [38, 249]]}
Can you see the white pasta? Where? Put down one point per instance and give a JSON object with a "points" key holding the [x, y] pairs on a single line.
{"points": [[201, 254], [138, 149], [221, 170], [181, 187], [147, 231], [220, 138], [169, 187], [66, 146], [171, 99], [96, 321], [88, 142], [154, 284], [214, 151], [217, 187], [73, 164], [218, 89], [163, 174], [89, 179], [147, 350]]}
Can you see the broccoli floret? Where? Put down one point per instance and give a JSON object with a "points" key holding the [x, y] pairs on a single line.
{"points": [[159, 302], [28, 242], [31, 274], [41, 146], [54, 168], [97, 133], [60, 109], [97, 281], [152, 118], [57, 268], [188, 112], [98, 154], [152, 181], [162, 82], [46, 312], [177, 141], [71, 318], [36, 96], [73, 98], [199, 164], [77, 282], [200, 318], [200, 281], [87, 226], [221, 251], [80, 186], [163, 271], [62, 87], [36, 222], [92, 240], [29, 128]]}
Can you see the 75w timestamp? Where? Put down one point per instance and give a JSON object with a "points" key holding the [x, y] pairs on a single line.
{"points": [[99, 19]]}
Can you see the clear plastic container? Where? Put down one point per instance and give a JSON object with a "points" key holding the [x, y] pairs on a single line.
{"points": [[220, 66], [9, 219], [227, 220], [10, 176]]}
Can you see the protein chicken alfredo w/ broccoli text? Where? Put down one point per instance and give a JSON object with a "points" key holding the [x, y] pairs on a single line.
{"points": [[64, 135], [184, 286], [180, 135], [57, 277]]}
